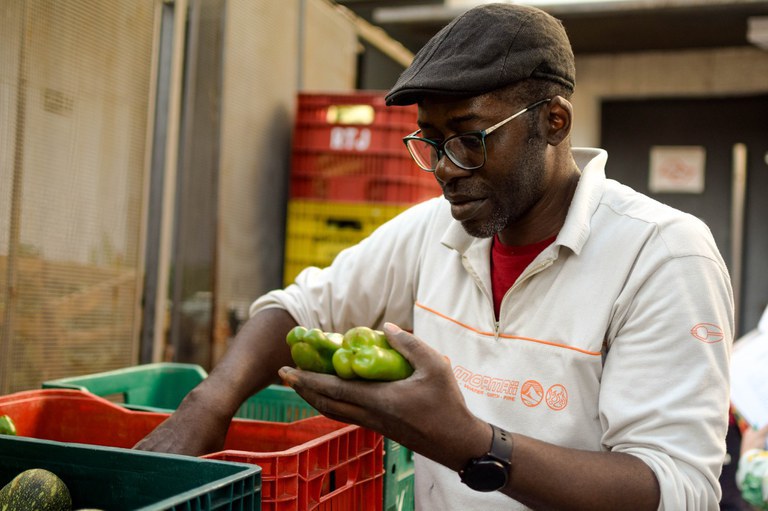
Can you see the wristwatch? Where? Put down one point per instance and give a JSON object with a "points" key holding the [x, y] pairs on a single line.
{"points": [[490, 471]]}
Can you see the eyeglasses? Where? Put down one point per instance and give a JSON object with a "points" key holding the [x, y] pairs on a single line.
{"points": [[465, 150]]}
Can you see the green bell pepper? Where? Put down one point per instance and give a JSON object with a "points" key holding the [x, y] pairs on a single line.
{"points": [[365, 353], [312, 350], [7, 427]]}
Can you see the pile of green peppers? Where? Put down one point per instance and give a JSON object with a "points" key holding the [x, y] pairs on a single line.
{"points": [[361, 353]]}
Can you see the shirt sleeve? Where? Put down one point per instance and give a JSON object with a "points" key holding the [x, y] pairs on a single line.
{"points": [[367, 284], [665, 393]]}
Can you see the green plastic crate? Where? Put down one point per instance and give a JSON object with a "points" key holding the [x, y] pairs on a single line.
{"points": [[398, 478], [161, 387], [123, 479], [150, 387]]}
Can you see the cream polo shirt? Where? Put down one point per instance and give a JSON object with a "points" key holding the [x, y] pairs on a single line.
{"points": [[616, 337]]}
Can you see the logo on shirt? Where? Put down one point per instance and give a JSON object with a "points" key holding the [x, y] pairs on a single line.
{"points": [[557, 397], [530, 392], [707, 332]]}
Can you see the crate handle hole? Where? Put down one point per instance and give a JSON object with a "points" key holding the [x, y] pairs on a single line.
{"points": [[337, 479], [338, 223]]}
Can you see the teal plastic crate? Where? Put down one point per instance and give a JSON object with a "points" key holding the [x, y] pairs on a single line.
{"points": [[123, 479], [161, 387], [398, 478], [150, 387]]}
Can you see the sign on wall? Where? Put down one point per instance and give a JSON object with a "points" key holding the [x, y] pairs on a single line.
{"points": [[677, 169]]}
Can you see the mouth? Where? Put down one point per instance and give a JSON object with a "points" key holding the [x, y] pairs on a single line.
{"points": [[464, 208]]}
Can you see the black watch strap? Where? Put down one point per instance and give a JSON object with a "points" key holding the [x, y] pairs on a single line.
{"points": [[501, 446], [490, 472]]}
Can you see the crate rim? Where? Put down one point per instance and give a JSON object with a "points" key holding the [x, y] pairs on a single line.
{"points": [[246, 469], [67, 380]]}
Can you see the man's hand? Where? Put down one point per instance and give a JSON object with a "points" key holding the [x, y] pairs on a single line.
{"points": [[424, 412], [200, 424], [193, 430]]}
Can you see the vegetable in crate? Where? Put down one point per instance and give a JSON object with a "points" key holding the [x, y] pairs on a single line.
{"points": [[37, 489], [312, 350], [7, 427], [365, 353]]}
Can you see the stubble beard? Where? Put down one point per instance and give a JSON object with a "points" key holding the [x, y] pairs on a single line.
{"points": [[521, 187]]}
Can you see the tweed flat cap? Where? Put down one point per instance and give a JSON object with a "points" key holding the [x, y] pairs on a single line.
{"points": [[486, 48]]}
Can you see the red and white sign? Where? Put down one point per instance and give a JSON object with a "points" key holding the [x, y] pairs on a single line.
{"points": [[677, 169]]}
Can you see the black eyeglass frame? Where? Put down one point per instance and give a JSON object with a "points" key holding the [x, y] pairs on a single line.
{"points": [[480, 134]]}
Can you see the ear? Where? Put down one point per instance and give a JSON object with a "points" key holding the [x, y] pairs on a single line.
{"points": [[559, 116]]}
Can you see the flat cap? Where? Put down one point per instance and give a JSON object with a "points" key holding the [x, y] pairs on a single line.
{"points": [[486, 48]]}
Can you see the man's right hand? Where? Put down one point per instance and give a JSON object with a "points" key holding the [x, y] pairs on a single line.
{"points": [[193, 430], [200, 424]]}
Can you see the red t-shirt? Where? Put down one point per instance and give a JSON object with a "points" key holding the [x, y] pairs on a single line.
{"points": [[508, 262]]}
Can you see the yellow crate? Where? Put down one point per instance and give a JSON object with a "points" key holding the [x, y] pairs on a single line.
{"points": [[318, 230]]}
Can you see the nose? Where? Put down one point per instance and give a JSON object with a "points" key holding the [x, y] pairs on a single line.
{"points": [[447, 171]]}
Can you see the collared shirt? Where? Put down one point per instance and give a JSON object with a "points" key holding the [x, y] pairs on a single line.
{"points": [[616, 337]]}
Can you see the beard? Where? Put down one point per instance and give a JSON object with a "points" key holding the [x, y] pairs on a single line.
{"points": [[518, 190]]}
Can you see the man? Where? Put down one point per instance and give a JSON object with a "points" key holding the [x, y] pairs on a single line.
{"points": [[570, 336]]}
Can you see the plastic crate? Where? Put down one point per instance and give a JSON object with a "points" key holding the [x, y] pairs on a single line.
{"points": [[311, 464], [317, 231], [151, 387], [162, 386], [341, 470], [358, 158], [399, 478], [357, 121], [364, 179], [121, 479]]}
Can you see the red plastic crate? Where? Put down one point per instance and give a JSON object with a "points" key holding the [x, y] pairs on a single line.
{"points": [[384, 188], [311, 464], [339, 158], [356, 122], [328, 109], [354, 139]]}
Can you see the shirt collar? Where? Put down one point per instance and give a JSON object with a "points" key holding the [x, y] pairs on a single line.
{"points": [[575, 231]]}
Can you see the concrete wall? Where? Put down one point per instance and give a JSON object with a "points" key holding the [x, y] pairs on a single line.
{"points": [[272, 50], [700, 73]]}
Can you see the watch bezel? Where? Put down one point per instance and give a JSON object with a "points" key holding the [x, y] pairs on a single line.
{"points": [[490, 472], [485, 474]]}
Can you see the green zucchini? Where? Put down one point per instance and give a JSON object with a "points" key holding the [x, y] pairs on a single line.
{"points": [[36, 489]]}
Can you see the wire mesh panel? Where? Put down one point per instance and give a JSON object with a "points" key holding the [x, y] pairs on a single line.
{"points": [[75, 83]]}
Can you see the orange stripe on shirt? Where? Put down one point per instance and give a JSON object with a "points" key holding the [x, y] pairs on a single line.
{"points": [[506, 336]]}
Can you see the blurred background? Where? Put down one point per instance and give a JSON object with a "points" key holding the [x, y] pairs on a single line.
{"points": [[149, 184]]}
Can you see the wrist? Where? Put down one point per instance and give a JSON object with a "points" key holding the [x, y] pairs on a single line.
{"points": [[490, 471]]}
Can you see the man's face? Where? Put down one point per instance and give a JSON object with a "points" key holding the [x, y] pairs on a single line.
{"points": [[502, 192]]}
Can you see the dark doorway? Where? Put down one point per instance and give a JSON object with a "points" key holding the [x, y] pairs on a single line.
{"points": [[630, 128]]}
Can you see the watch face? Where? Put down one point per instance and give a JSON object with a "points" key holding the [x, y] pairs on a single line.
{"points": [[486, 475]]}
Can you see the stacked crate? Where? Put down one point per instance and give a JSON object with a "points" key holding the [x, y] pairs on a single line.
{"points": [[350, 173], [383, 483]]}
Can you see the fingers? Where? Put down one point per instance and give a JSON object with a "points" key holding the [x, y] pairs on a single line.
{"points": [[335, 398], [418, 353]]}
